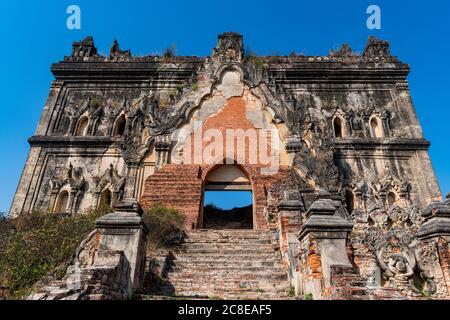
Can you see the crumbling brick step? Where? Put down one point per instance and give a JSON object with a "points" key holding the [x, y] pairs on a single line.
{"points": [[248, 256], [227, 264]]}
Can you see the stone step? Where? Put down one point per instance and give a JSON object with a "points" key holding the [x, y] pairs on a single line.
{"points": [[224, 251], [229, 232], [206, 270], [229, 246], [222, 292], [227, 286], [225, 276], [216, 295], [233, 256], [235, 295], [230, 241], [227, 264]]}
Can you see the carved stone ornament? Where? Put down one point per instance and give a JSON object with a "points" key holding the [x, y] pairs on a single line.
{"points": [[396, 256], [377, 50], [84, 49], [230, 47], [109, 178], [118, 55], [70, 176]]}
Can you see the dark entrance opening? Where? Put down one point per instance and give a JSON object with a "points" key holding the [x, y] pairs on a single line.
{"points": [[228, 210], [228, 199]]}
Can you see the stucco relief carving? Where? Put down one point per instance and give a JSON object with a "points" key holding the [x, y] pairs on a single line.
{"points": [[407, 263], [111, 180], [397, 258], [70, 179]]}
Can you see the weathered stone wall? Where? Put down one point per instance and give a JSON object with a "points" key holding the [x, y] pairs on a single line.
{"points": [[117, 127]]}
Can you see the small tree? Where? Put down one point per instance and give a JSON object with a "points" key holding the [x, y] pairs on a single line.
{"points": [[165, 227]]}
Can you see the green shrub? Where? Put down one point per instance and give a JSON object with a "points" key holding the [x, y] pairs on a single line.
{"points": [[194, 87], [165, 227], [308, 296], [39, 245], [291, 291]]}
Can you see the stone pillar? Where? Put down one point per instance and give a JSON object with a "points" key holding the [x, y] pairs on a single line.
{"points": [[72, 200], [72, 124], [95, 199], [323, 239], [90, 126], [130, 183], [163, 145], [385, 124], [437, 221], [436, 231], [348, 126], [124, 230], [128, 125], [289, 216]]}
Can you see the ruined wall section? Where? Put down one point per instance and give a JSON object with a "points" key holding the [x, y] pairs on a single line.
{"points": [[305, 97], [77, 147], [368, 122]]}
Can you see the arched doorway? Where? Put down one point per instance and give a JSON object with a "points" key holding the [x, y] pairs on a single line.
{"points": [[62, 202], [228, 199], [105, 201]]}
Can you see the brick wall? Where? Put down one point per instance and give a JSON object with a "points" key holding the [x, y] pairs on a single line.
{"points": [[180, 186], [175, 186]]}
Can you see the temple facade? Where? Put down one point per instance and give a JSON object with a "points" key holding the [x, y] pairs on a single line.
{"points": [[329, 146]]}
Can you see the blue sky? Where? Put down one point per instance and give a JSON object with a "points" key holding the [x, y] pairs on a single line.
{"points": [[233, 199], [34, 35]]}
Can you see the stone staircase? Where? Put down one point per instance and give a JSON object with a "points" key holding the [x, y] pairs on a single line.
{"points": [[226, 264]]}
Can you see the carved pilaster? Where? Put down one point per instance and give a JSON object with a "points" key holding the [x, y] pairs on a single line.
{"points": [[289, 215], [327, 231], [385, 124], [124, 230], [130, 184], [163, 145], [348, 125], [72, 125], [90, 126]]}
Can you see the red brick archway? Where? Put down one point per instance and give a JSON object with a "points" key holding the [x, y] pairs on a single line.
{"points": [[181, 186]]}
